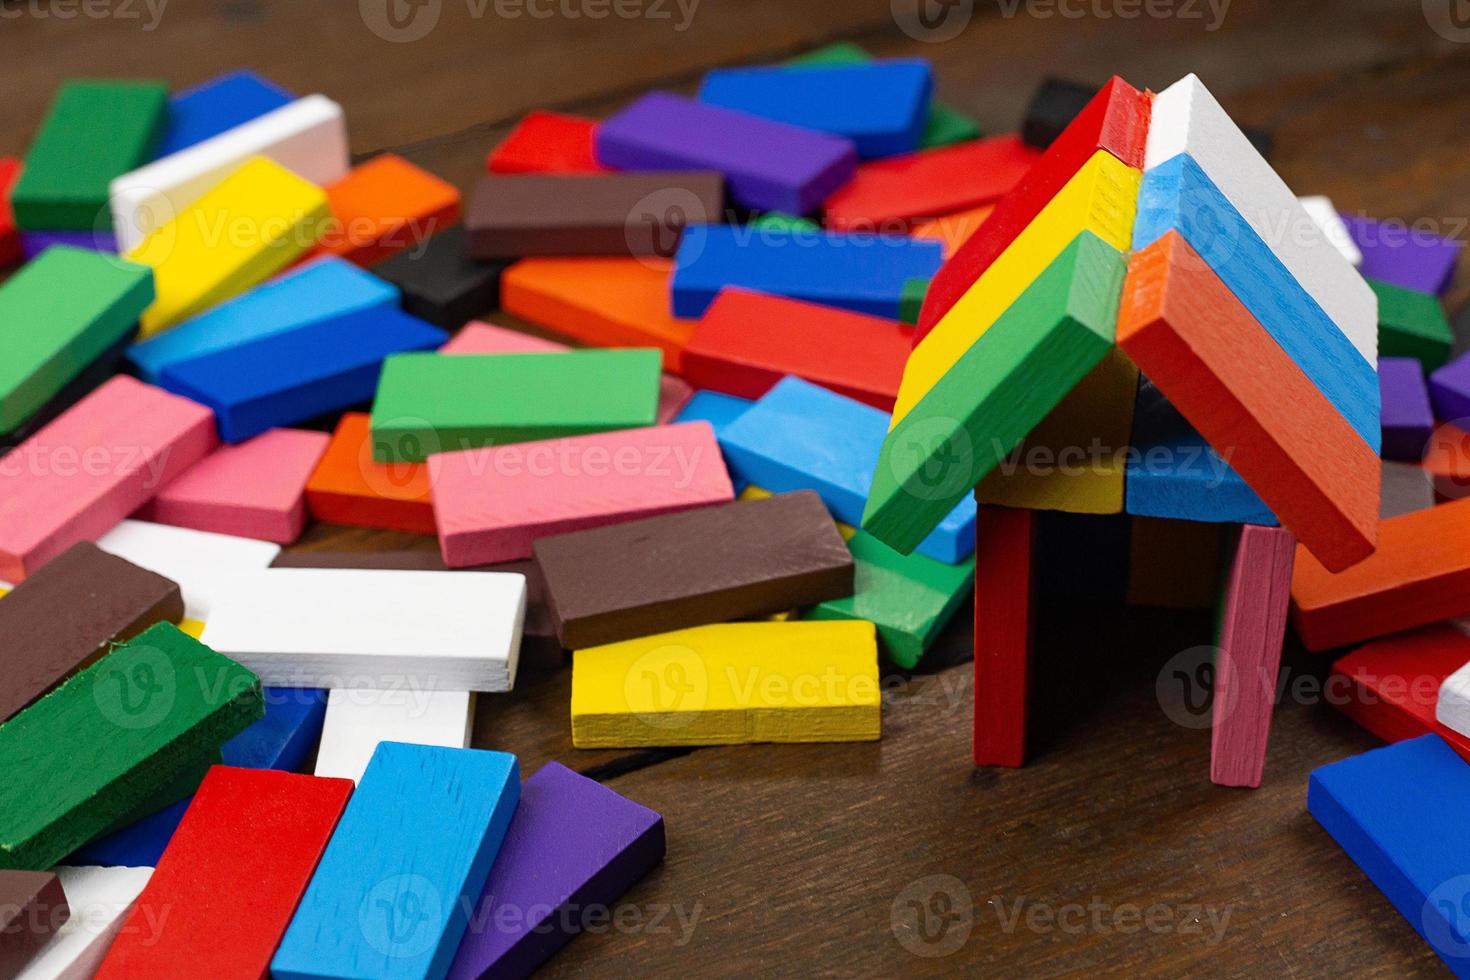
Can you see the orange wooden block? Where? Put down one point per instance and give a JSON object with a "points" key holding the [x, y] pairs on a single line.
{"points": [[384, 206], [1447, 459], [953, 229], [350, 487], [1224, 373], [547, 143]]}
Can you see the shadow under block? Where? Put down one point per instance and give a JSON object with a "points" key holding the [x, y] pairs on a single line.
{"points": [[413, 848], [104, 895], [359, 720], [1406, 419], [440, 283], [546, 142], [349, 487], [93, 132], [515, 215], [1391, 686], [58, 314], [1404, 254], [1419, 574], [767, 165], [490, 504], [137, 438], [238, 865], [144, 718], [370, 628], [573, 846], [216, 106], [1005, 612], [729, 684], [64, 617], [1258, 409], [717, 564], [1412, 324], [1174, 564], [1015, 374], [432, 403], [383, 206], [1398, 812], [200, 561], [33, 909]]}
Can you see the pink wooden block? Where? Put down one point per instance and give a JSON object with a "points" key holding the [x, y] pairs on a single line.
{"points": [[256, 489], [1258, 594], [99, 461], [490, 504], [673, 394]]}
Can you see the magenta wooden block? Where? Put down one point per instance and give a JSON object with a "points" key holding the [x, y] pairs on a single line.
{"points": [[98, 462], [1406, 416], [255, 489], [573, 848], [1449, 391], [1399, 253]]}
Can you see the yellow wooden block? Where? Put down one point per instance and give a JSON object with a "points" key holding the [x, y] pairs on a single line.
{"points": [[1102, 198], [4, 590], [753, 492], [250, 226], [193, 627], [730, 684]]}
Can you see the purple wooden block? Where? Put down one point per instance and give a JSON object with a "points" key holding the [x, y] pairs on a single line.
{"points": [[1407, 420], [574, 846], [33, 243], [1449, 391], [1401, 254], [767, 165]]}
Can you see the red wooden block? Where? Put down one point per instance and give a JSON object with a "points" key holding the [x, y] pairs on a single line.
{"points": [[10, 252], [1115, 120], [748, 341], [231, 878], [547, 143], [1391, 686], [1005, 576]]}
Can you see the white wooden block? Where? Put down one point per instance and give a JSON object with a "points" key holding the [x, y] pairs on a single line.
{"points": [[1453, 709], [1319, 208], [200, 561], [308, 136], [357, 720], [99, 899], [1187, 119], [385, 630]]}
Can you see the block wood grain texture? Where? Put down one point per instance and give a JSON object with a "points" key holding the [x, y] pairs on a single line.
{"points": [[1407, 420], [216, 106], [1210, 356], [239, 863], [440, 283], [391, 896], [895, 194], [200, 561], [1449, 391], [102, 897], [148, 711], [574, 845], [63, 618], [491, 504], [1408, 256], [1412, 324], [143, 438], [514, 215], [1419, 574], [359, 720], [747, 341], [736, 561], [349, 487], [10, 237], [767, 165], [33, 908], [729, 684], [546, 142], [386, 205], [1005, 611]]}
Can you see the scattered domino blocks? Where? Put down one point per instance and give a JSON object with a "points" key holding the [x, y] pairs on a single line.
{"points": [[547, 143], [1407, 420], [1392, 685], [216, 106], [350, 487], [383, 206], [440, 283], [1412, 324], [1404, 255], [77, 948], [200, 561]]}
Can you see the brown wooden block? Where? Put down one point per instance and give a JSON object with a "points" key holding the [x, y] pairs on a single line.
{"points": [[32, 908], [710, 565]]}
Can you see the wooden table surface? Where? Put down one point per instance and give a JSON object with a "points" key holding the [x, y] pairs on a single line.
{"points": [[1111, 852]]}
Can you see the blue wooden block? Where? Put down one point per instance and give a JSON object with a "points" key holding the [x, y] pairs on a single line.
{"points": [[318, 290], [880, 105], [290, 377], [1399, 813], [860, 272], [800, 436], [719, 410], [410, 856], [208, 109], [1178, 195]]}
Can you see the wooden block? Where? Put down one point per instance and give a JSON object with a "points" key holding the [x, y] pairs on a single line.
{"points": [[1391, 686], [428, 403], [719, 410], [1418, 575], [552, 871], [711, 565], [57, 315], [351, 628], [349, 487], [729, 684], [102, 897], [358, 720], [1453, 707], [240, 862], [859, 272], [952, 230], [33, 243], [144, 721], [1052, 108], [297, 375], [1005, 577], [748, 341], [441, 283], [200, 561], [384, 206], [1406, 255], [416, 844], [216, 106], [1325, 216], [254, 490], [1449, 391], [547, 143], [136, 437], [33, 908], [1405, 489], [1412, 324], [1407, 420], [912, 300], [1241, 390], [93, 132], [109, 363], [766, 164], [1447, 460], [491, 504], [895, 194], [512, 215], [1174, 564], [603, 302], [66, 615], [307, 137], [10, 241]]}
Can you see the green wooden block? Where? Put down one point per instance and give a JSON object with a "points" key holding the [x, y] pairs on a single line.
{"points": [[57, 315], [911, 300], [1412, 324], [909, 598], [431, 403], [113, 738], [94, 131], [781, 221], [1004, 385]]}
